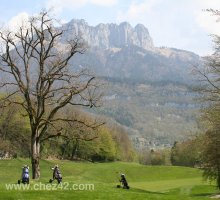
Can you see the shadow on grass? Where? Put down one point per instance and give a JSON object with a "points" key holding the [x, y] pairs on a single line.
{"points": [[208, 194], [202, 194], [204, 191], [141, 191]]}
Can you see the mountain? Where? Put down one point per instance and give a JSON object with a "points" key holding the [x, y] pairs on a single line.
{"points": [[149, 88], [107, 36], [123, 51]]}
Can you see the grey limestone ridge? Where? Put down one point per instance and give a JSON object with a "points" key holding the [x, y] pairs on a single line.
{"points": [[123, 51], [110, 35]]}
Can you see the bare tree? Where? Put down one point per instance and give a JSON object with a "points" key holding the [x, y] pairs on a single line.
{"points": [[36, 74]]}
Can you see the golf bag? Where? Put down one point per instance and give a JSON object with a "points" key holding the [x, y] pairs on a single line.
{"points": [[124, 182], [24, 175], [56, 174]]}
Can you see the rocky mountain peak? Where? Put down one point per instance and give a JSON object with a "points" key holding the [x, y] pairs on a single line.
{"points": [[124, 51], [106, 36]]}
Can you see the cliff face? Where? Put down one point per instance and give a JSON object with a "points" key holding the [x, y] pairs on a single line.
{"points": [[107, 36]]}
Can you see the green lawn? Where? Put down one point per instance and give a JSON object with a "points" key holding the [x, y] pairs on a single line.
{"points": [[146, 182]]}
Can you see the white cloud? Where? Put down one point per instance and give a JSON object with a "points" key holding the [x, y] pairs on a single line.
{"points": [[104, 2], [17, 21], [137, 10], [208, 22], [205, 19], [59, 5], [205, 4], [13, 25]]}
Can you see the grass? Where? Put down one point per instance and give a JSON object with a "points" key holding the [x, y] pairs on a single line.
{"points": [[146, 182]]}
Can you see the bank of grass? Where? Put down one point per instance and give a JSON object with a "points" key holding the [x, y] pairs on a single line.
{"points": [[147, 182]]}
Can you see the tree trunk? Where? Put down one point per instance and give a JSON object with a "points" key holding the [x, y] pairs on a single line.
{"points": [[218, 179], [74, 150], [35, 157]]}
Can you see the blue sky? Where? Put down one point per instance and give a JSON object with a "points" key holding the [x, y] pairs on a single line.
{"points": [[172, 23]]}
